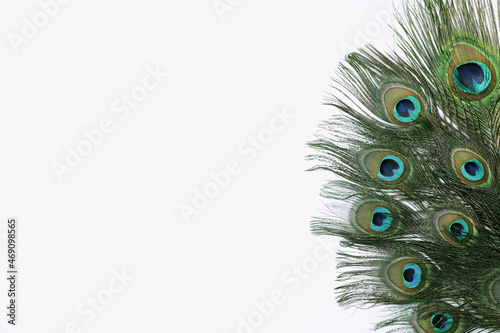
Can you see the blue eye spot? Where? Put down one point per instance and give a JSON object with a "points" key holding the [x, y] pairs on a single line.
{"points": [[407, 109], [412, 275], [459, 230], [441, 322], [404, 107], [473, 170], [391, 168], [472, 77], [381, 219]]}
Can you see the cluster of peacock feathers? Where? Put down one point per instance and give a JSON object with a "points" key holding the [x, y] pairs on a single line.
{"points": [[417, 153]]}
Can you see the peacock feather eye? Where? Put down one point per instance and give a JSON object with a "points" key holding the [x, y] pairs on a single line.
{"points": [[376, 218], [385, 165], [454, 227], [403, 105], [436, 319], [408, 275], [470, 167], [471, 74]]}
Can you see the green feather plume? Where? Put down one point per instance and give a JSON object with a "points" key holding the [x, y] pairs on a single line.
{"points": [[417, 151]]}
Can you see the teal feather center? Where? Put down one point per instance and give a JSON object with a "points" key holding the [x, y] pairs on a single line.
{"points": [[441, 322], [407, 109], [473, 170], [412, 275], [381, 221], [459, 230], [472, 77], [391, 168]]}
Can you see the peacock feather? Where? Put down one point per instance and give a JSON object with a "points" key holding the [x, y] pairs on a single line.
{"points": [[416, 152]]}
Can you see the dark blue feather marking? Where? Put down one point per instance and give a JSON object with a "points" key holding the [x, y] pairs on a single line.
{"points": [[404, 107], [381, 219], [409, 275], [412, 275], [459, 230], [470, 73], [407, 109], [378, 219], [388, 166], [442, 322], [471, 168], [472, 77], [391, 168]]}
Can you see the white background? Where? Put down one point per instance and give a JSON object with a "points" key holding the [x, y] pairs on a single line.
{"points": [[120, 208]]}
